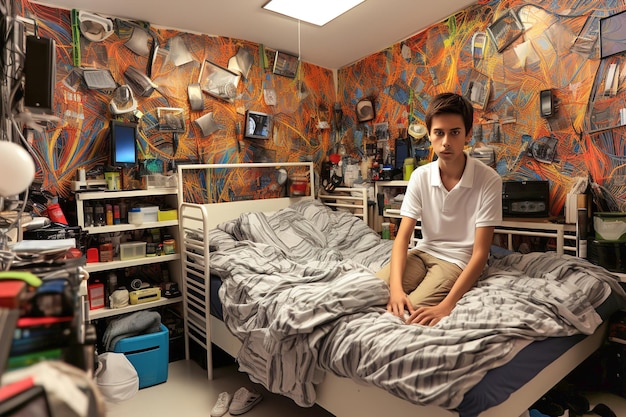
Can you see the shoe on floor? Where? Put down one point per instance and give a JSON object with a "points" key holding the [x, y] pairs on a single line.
{"points": [[221, 405], [243, 401]]}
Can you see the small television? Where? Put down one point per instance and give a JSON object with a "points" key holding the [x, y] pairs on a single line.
{"points": [[258, 125], [613, 34], [123, 147]]}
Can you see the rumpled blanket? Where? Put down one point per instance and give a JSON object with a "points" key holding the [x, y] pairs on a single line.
{"points": [[133, 324], [299, 291]]}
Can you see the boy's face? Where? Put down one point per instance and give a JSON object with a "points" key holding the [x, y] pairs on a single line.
{"points": [[448, 136]]}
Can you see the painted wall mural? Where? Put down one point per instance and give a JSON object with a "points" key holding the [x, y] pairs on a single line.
{"points": [[212, 132], [500, 54]]}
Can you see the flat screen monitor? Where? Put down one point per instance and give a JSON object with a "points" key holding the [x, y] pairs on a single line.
{"points": [[258, 125], [123, 146], [613, 34]]}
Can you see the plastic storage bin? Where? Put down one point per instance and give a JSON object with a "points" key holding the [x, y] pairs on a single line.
{"points": [[149, 354], [150, 213], [132, 250]]}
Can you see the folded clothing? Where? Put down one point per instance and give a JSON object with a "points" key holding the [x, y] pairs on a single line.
{"points": [[134, 324]]}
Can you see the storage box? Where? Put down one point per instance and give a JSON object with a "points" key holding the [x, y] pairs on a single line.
{"points": [[132, 250], [150, 213], [165, 215], [149, 354], [610, 226], [161, 181]]}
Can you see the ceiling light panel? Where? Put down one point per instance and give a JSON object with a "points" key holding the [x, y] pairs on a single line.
{"points": [[317, 12]]}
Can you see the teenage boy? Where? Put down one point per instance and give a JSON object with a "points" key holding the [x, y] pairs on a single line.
{"points": [[458, 200]]}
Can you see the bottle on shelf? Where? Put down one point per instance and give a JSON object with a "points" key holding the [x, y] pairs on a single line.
{"points": [[99, 219], [109, 214], [116, 214]]}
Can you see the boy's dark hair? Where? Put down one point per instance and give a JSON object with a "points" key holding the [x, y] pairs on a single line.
{"points": [[450, 103]]}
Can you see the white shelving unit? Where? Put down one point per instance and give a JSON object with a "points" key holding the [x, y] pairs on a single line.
{"points": [[173, 260], [564, 234]]}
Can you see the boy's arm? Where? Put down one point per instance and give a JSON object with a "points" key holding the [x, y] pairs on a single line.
{"points": [[468, 277], [398, 299]]}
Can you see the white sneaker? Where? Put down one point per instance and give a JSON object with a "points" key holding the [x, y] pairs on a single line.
{"points": [[243, 401], [221, 406]]}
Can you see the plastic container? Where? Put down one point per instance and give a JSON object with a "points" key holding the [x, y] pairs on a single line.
{"points": [[386, 232], [164, 215], [149, 354], [610, 226], [135, 216], [150, 214], [161, 181], [95, 292], [169, 246], [407, 168], [55, 214], [132, 250]]}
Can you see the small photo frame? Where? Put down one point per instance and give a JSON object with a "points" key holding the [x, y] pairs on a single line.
{"points": [[171, 119], [285, 64], [505, 30], [365, 110], [218, 81], [478, 89]]}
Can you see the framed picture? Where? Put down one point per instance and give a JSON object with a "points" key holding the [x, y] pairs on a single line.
{"points": [[258, 125], [478, 89], [171, 119], [365, 110], [285, 64], [613, 34], [218, 81], [505, 30]]}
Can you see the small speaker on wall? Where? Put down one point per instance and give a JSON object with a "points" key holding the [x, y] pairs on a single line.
{"points": [[39, 74]]}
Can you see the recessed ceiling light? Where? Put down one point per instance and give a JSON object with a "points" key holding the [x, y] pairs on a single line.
{"points": [[317, 12]]}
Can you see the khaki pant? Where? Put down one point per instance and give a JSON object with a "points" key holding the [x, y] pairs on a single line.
{"points": [[427, 279]]}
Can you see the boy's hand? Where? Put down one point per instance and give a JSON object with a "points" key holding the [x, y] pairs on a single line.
{"points": [[398, 300], [429, 316]]}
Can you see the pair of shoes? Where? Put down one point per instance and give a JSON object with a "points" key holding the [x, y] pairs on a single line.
{"points": [[221, 405], [243, 401]]}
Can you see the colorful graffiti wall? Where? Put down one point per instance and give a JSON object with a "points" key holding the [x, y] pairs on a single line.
{"points": [[213, 133], [500, 54]]}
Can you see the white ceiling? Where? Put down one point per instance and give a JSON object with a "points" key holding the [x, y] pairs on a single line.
{"points": [[368, 28]]}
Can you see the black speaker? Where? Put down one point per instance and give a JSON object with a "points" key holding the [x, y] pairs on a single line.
{"points": [[39, 74]]}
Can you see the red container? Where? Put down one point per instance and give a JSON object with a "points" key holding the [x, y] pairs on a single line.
{"points": [[96, 295], [55, 214]]}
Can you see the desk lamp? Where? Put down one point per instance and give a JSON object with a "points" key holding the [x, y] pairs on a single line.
{"points": [[17, 171]]}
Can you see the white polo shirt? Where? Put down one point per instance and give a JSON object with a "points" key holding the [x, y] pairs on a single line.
{"points": [[450, 218]]}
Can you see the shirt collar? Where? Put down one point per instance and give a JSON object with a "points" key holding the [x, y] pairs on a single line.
{"points": [[467, 179]]}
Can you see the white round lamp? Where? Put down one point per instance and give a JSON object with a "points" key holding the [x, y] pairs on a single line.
{"points": [[17, 169]]}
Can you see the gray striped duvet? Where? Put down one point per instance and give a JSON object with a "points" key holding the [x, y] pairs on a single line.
{"points": [[299, 291]]}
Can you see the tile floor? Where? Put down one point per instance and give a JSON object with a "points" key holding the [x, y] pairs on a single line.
{"points": [[188, 393]]}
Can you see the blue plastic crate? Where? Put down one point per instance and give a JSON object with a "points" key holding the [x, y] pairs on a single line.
{"points": [[149, 354]]}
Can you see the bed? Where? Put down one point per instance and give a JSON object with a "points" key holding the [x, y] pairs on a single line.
{"points": [[283, 274]]}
